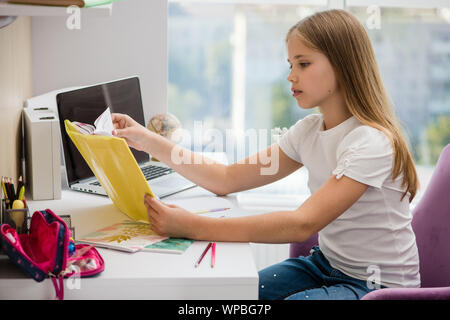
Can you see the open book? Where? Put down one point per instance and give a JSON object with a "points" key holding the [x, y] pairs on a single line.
{"points": [[132, 236], [103, 125], [116, 169], [112, 162]]}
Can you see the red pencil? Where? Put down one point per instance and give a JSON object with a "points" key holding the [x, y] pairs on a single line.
{"points": [[203, 254], [213, 255]]}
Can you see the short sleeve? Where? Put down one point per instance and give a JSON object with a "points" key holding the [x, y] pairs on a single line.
{"points": [[365, 155], [291, 141]]}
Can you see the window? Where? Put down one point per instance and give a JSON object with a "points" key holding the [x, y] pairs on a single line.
{"points": [[227, 64], [412, 46]]}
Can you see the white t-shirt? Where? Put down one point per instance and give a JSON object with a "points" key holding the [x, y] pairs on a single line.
{"points": [[374, 237]]}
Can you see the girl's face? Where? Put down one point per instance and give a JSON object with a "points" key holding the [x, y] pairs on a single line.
{"points": [[312, 76]]}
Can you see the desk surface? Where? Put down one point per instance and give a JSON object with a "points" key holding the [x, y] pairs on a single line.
{"points": [[141, 275]]}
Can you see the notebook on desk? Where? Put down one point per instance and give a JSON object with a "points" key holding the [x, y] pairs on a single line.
{"points": [[131, 236], [85, 105]]}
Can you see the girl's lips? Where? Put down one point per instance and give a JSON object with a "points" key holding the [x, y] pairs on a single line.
{"points": [[296, 93]]}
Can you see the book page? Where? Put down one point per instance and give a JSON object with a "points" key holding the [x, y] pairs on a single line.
{"points": [[103, 125], [126, 235]]}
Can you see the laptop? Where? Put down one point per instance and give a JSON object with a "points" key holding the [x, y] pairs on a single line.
{"points": [[85, 105]]}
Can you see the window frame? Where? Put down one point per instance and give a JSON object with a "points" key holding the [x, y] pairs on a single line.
{"points": [[417, 4]]}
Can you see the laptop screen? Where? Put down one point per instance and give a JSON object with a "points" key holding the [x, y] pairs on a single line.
{"points": [[85, 105]]}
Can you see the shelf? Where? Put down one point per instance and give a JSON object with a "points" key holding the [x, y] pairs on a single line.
{"points": [[9, 9]]}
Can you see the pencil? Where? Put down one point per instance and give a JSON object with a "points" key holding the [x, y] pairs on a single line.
{"points": [[11, 186], [211, 210], [203, 254], [4, 188], [8, 191], [213, 255]]}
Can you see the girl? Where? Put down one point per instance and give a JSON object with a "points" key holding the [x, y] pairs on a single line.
{"points": [[361, 174]]}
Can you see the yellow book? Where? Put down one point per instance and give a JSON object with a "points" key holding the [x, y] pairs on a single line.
{"points": [[116, 169]]}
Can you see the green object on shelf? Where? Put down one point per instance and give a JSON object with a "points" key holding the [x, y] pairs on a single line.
{"points": [[93, 3]]}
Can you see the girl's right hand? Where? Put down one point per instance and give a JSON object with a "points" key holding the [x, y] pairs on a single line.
{"points": [[134, 134]]}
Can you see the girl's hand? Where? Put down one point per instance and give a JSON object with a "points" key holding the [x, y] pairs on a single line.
{"points": [[168, 219], [134, 134]]}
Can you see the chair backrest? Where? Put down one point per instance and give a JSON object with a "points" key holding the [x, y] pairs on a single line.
{"points": [[431, 225]]}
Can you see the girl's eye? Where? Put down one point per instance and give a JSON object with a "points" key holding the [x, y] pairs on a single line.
{"points": [[301, 64]]}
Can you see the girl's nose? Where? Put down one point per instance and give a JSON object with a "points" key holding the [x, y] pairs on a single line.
{"points": [[291, 77]]}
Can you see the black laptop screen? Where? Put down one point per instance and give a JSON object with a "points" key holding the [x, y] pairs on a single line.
{"points": [[85, 105]]}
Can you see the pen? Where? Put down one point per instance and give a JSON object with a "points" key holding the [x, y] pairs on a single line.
{"points": [[213, 255], [21, 193], [211, 210], [19, 187], [203, 254]]}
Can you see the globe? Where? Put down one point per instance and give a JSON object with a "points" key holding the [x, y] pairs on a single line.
{"points": [[164, 124]]}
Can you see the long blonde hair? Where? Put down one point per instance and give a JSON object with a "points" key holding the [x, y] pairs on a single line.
{"points": [[343, 40]]}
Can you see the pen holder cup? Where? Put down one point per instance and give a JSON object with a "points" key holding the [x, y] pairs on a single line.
{"points": [[16, 218]]}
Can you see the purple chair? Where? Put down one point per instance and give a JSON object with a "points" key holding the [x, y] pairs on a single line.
{"points": [[297, 249], [431, 225]]}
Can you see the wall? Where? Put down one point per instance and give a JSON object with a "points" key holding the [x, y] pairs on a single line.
{"points": [[133, 41], [15, 87]]}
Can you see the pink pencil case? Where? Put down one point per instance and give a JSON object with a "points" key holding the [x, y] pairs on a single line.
{"points": [[44, 251]]}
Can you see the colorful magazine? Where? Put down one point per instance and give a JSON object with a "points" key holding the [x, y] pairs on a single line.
{"points": [[170, 245], [133, 236]]}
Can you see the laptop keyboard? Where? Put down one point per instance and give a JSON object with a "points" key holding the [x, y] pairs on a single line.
{"points": [[150, 172]]}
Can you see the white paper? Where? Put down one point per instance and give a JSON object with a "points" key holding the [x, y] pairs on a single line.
{"points": [[103, 124], [255, 201], [200, 203]]}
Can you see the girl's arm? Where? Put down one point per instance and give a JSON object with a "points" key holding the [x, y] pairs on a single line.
{"points": [[325, 205], [254, 171], [259, 169]]}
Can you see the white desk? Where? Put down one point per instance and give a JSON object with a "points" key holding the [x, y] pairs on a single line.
{"points": [[141, 275]]}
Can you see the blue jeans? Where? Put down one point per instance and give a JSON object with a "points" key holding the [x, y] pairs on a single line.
{"points": [[309, 278]]}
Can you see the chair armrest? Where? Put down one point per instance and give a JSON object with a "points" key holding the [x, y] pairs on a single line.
{"points": [[438, 293]]}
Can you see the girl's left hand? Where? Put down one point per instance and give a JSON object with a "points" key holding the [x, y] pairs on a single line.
{"points": [[168, 219]]}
